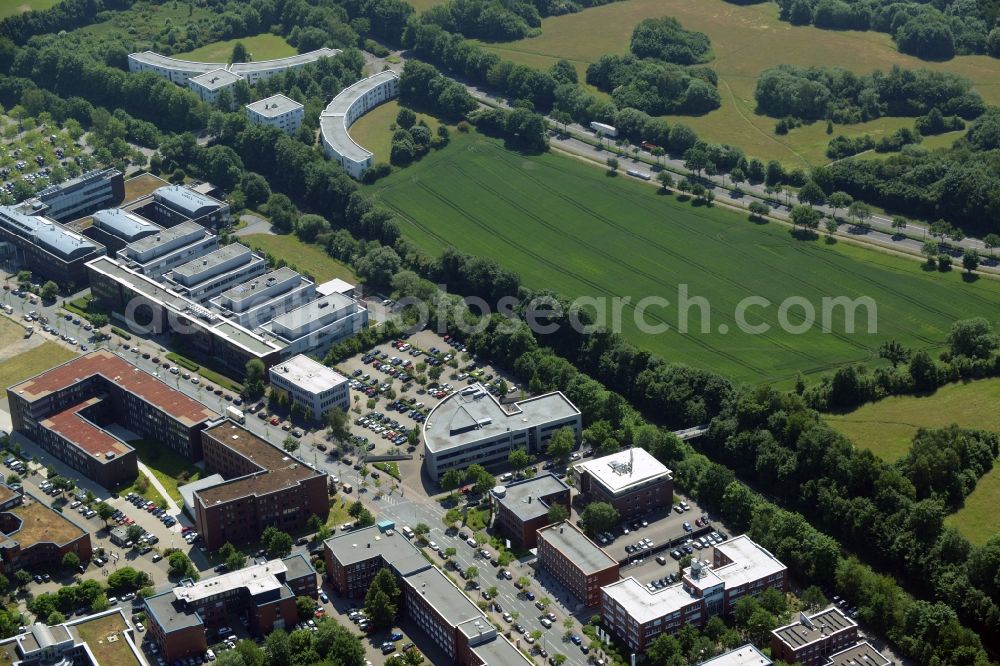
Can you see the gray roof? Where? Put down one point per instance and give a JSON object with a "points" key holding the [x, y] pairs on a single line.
{"points": [[745, 655], [127, 226], [282, 63], [325, 310], [500, 652], [170, 613], [188, 489], [48, 234], [273, 106], [166, 237], [333, 122], [862, 654], [208, 261], [186, 201], [517, 494], [445, 598], [366, 543], [216, 79], [254, 286], [157, 60], [580, 550], [73, 183], [814, 627], [298, 566], [472, 414]]}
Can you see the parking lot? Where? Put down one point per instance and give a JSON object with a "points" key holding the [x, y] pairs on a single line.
{"points": [[664, 529]]}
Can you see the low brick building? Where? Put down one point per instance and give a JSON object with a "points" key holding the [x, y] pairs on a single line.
{"points": [[576, 561], [264, 487], [33, 535], [811, 639], [632, 481], [522, 508], [179, 619]]}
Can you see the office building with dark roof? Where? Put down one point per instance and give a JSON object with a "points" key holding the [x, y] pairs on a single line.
{"points": [[46, 247], [522, 507], [66, 410], [32, 534], [175, 204], [576, 561], [811, 639], [264, 487], [180, 618], [430, 599], [862, 654]]}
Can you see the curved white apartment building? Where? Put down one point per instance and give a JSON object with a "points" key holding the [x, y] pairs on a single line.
{"points": [[180, 71], [353, 102]]}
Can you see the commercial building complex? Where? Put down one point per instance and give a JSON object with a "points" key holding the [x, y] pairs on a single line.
{"points": [[277, 111], [260, 299], [312, 385], [263, 487], [115, 228], [317, 325], [181, 71], [79, 196], [34, 535], [739, 567], [350, 104], [632, 481], [522, 508], [429, 598], [180, 618], [811, 639], [67, 409], [576, 561], [211, 274], [174, 204], [156, 254], [46, 247], [471, 426], [76, 642]]}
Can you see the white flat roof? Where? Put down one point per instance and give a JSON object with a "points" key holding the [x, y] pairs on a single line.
{"points": [[744, 655], [644, 606], [334, 286], [217, 78], [624, 469], [274, 106], [750, 562], [257, 578], [309, 375], [333, 120]]}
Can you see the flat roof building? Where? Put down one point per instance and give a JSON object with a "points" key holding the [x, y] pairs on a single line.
{"points": [[33, 535], [77, 641], [862, 654], [115, 228], [262, 298], [211, 274], [315, 387], [66, 410], [576, 561], [46, 247], [180, 71], [811, 639], [264, 487], [350, 104], [79, 196], [175, 204], [266, 593], [277, 111], [207, 86], [156, 254], [430, 599], [744, 655], [739, 568], [471, 426], [522, 507], [632, 481], [336, 286], [318, 324]]}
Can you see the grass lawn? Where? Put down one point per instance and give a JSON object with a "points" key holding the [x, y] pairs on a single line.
{"points": [[310, 259], [746, 40], [390, 468], [165, 465], [151, 493], [564, 225], [142, 185], [338, 511], [32, 362], [264, 46], [11, 7], [372, 130], [887, 428], [210, 375], [96, 632]]}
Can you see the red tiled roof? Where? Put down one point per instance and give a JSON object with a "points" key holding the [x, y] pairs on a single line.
{"points": [[83, 433], [120, 372]]}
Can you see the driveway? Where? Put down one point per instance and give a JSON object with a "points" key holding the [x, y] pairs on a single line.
{"points": [[255, 225]]}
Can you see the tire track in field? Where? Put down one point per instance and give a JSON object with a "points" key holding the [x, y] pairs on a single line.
{"points": [[682, 258], [486, 227]]}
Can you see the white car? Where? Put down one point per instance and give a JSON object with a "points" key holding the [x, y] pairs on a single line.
{"points": [[472, 542], [139, 627], [433, 545]]}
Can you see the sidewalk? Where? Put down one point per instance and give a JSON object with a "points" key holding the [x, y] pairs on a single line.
{"points": [[172, 507]]}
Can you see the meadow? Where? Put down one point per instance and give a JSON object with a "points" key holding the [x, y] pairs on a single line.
{"points": [[887, 427], [310, 259], [264, 46], [372, 130], [11, 7], [746, 40], [20, 358], [565, 226]]}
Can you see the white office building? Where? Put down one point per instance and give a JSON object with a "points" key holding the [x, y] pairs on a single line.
{"points": [[318, 324], [353, 102], [208, 85], [277, 111], [471, 426], [159, 253], [261, 299], [211, 274], [181, 71], [315, 387]]}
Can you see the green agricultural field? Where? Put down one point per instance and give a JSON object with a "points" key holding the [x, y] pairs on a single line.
{"points": [[264, 46], [746, 40], [310, 259], [564, 225], [11, 7], [371, 131], [887, 427]]}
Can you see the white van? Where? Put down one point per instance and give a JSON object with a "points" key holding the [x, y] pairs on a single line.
{"points": [[407, 532]]}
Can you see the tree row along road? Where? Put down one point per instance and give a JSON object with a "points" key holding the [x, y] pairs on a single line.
{"points": [[579, 141]]}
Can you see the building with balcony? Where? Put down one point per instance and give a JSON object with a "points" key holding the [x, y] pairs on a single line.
{"points": [[207, 86], [181, 71], [471, 426]]}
